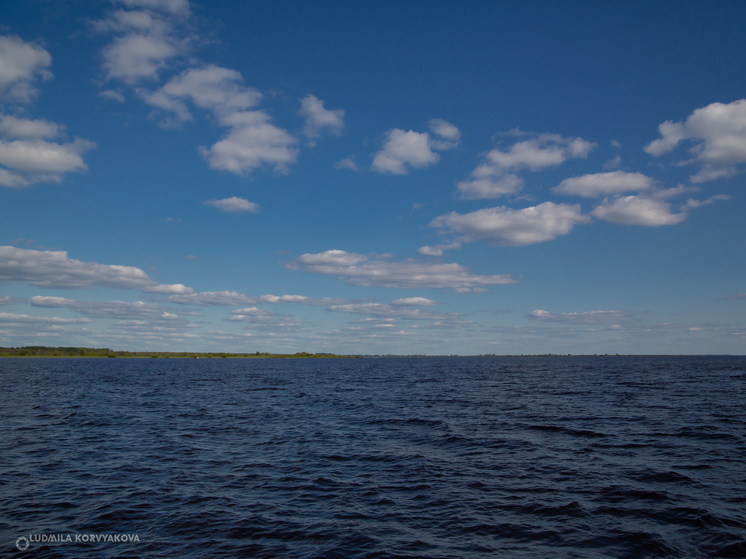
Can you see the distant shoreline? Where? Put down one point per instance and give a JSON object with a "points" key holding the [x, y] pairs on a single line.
{"points": [[99, 353]]}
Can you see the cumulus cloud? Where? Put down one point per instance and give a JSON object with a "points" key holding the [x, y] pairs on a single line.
{"points": [[212, 298], [121, 310], [319, 119], [271, 321], [485, 187], [497, 175], [32, 161], [146, 39], [300, 300], [638, 210], [21, 65], [718, 135], [651, 210], [363, 270], [613, 163], [55, 270], [591, 317], [26, 154], [179, 7], [27, 129], [233, 205], [113, 95], [414, 302], [391, 311], [603, 184], [347, 163], [253, 141], [509, 227], [404, 150], [39, 320], [175, 288], [437, 250], [211, 87]]}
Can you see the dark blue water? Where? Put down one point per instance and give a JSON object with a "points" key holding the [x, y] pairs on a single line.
{"points": [[368, 458]]}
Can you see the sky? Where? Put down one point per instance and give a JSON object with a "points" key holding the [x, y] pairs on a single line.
{"points": [[374, 177]]}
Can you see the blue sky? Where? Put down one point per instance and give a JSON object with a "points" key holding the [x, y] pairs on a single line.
{"points": [[373, 177]]}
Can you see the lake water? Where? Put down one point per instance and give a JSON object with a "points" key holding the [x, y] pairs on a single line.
{"points": [[371, 458]]}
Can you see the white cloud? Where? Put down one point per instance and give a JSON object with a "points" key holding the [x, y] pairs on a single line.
{"points": [[509, 227], [271, 321], [347, 163], [31, 161], [146, 42], [496, 176], [55, 270], [213, 298], [591, 317], [403, 150], [121, 310], [719, 135], [536, 154], [24, 129], [133, 58], [361, 270], [319, 119], [710, 173], [384, 316], [178, 7], [300, 300], [638, 210], [39, 320], [332, 258], [233, 205], [21, 64], [252, 142], [111, 94], [211, 87], [603, 184], [490, 187], [613, 163], [414, 302], [437, 250], [147, 38], [176, 288], [445, 130], [25, 154]]}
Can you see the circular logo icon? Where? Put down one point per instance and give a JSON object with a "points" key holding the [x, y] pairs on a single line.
{"points": [[22, 543]]}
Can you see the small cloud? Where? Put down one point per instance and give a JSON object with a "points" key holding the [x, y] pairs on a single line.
{"points": [[318, 118], [113, 95], [613, 163], [417, 205], [173, 289], [190, 257], [414, 302], [402, 150], [233, 205], [347, 163], [603, 184], [718, 137]]}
